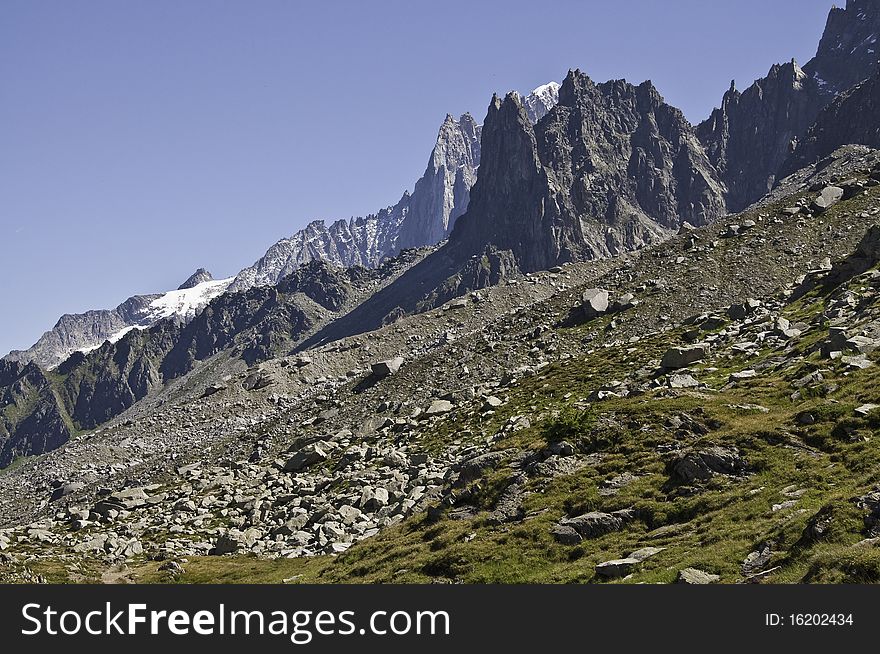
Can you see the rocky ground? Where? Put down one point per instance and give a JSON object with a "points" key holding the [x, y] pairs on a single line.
{"points": [[700, 410]]}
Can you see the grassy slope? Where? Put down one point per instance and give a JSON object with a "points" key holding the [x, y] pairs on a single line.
{"points": [[713, 529]]}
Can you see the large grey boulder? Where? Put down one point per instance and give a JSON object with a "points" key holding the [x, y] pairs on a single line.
{"points": [[702, 465], [439, 407], [695, 577], [594, 303], [373, 499], [388, 367], [307, 456], [593, 524], [616, 567], [681, 357], [827, 198]]}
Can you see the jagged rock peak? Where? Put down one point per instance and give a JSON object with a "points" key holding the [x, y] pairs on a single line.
{"points": [[847, 53], [752, 133], [850, 119], [423, 217], [200, 276], [608, 169]]}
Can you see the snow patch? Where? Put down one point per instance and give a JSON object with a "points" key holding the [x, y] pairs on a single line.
{"points": [[188, 301]]}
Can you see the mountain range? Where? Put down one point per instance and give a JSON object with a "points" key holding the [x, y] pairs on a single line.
{"points": [[581, 260]]}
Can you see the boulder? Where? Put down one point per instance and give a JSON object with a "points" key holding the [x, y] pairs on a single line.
{"points": [[438, 407], [307, 456], [701, 465], [596, 523], [373, 499], [492, 403], [681, 357], [645, 553], [743, 310], [682, 381], [257, 381], [757, 560], [67, 488], [616, 568], [594, 303], [695, 577], [388, 367], [235, 540], [827, 198], [566, 534]]}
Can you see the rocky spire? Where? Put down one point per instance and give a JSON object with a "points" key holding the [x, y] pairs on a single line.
{"points": [[200, 276]]}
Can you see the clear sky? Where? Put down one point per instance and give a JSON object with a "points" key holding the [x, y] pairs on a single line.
{"points": [[141, 140]]}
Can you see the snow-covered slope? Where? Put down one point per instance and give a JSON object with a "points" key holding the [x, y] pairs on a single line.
{"points": [[186, 302], [84, 332], [541, 100]]}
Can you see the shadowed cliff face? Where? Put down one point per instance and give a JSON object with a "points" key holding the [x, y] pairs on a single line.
{"points": [[609, 169], [851, 118], [752, 134], [31, 420], [749, 137], [848, 52]]}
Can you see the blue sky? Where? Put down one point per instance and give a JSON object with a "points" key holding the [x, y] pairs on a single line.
{"points": [[141, 140]]}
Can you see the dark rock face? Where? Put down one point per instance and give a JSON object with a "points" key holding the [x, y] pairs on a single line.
{"points": [[31, 421], [607, 170], [850, 119], [749, 137], [198, 277], [753, 133], [847, 53]]}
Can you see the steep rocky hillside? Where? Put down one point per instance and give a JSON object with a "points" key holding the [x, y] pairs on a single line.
{"points": [[90, 388], [701, 410]]}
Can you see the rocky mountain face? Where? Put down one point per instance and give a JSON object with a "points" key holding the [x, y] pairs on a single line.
{"points": [[848, 52], [678, 414], [610, 168], [31, 421], [749, 137], [86, 331], [424, 217], [850, 118]]}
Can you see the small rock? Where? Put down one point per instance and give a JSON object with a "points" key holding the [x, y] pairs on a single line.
{"points": [[616, 568], [696, 577]]}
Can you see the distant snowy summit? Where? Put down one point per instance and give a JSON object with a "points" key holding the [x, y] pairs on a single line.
{"points": [[541, 100], [83, 332]]}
